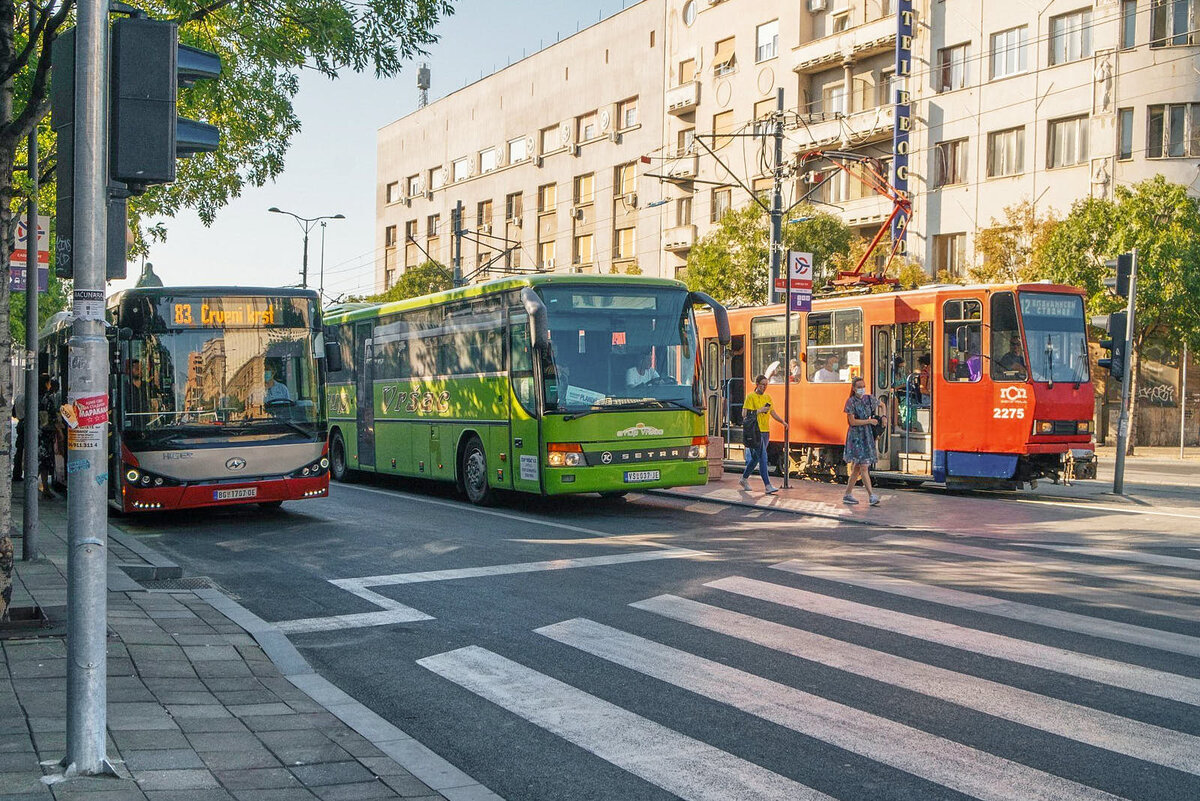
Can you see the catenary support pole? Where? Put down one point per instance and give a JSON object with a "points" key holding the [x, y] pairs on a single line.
{"points": [[1182, 399], [304, 264], [321, 280], [87, 447], [1126, 380], [457, 226], [29, 520], [782, 270]]}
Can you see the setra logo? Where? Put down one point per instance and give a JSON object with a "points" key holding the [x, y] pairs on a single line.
{"points": [[1014, 394], [641, 430], [235, 463]]}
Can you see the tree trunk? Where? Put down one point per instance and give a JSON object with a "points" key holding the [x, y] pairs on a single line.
{"points": [[7, 21], [1135, 362]]}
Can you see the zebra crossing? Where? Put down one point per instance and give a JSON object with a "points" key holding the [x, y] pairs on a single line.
{"points": [[872, 685]]}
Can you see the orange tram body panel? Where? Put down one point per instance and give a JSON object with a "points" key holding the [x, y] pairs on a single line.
{"points": [[978, 386]]}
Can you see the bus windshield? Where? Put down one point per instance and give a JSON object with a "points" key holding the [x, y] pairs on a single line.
{"points": [[218, 365], [619, 347], [1055, 337]]}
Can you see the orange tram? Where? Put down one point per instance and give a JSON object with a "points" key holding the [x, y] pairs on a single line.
{"points": [[978, 386]]}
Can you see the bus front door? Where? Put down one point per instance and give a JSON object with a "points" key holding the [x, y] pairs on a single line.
{"points": [[366, 395], [524, 409]]}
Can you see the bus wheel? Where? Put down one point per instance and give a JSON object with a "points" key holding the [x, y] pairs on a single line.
{"points": [[270, 504], [473, 470], [337, 457]]}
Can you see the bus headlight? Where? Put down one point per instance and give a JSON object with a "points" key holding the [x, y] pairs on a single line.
{"points": [[698, 452], [565, 454], [324, 463], [132, 476]]}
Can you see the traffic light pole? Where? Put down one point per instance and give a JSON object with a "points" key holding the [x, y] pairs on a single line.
{"points": [[1126, 380], [29, 521], [87, 448], [456, 224]]}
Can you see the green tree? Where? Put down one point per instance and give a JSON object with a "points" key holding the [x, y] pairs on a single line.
{"points": [[1011, 249], [263, 48], [1162, 222], [424, 279], [732, 263]]}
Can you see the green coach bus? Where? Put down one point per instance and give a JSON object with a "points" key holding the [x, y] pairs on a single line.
{"points": [[549, 384]]}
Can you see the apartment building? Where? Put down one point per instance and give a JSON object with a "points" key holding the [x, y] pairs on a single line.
{"points": [[616, 148]]}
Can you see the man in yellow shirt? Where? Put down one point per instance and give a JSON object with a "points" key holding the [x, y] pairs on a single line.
{"points": [[757, 411]]}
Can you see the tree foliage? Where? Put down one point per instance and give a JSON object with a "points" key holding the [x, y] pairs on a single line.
{"points": [[1011, 250], [732, 262], [423, 279]]}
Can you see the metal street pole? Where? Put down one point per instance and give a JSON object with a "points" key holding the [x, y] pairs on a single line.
{"points": [[1126, 378], [776, 247], [1182, 401], [87, 448], [456, 223], [29, 519], [321, 284], [304, 267]]}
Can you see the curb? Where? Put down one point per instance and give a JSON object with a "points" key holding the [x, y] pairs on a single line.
{"points": [[157, 567]]}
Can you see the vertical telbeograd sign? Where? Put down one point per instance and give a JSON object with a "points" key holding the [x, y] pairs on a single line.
{"points": [[903, 123]]}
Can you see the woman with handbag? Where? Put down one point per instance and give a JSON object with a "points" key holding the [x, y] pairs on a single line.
{"points": [[860, 452], [756, 433]]}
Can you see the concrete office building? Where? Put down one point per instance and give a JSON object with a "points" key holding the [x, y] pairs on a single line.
{"points": [[1048, 102]]}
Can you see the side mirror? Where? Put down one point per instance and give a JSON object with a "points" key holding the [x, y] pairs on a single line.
{"points": [[333, 357], [536, 309], [719, 314]]}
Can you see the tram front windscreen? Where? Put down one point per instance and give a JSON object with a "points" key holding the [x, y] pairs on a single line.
{"points": [[1056, 337]]}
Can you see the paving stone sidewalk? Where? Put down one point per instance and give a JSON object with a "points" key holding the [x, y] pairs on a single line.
{"points": [[196, 709]]}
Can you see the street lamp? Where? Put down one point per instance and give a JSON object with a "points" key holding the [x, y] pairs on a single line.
{"points": [[306, 224]]}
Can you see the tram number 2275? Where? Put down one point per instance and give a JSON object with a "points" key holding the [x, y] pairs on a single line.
{"points": [[1008, 414]]}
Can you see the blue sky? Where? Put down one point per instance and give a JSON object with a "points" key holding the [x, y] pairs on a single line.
{"points": [[330, 167]]}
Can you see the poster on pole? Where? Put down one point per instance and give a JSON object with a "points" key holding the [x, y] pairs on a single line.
{"points": [[778, 290], [20, 256], [800, 280]]}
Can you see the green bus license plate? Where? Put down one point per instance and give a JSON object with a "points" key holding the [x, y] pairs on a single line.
{"points": [[636, 476]]}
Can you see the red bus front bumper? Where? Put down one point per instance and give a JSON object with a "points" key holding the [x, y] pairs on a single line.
{"points": [[193, 496]]}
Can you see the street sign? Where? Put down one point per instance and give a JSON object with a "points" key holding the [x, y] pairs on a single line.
{"points": [[800, 278], [20, 256]]}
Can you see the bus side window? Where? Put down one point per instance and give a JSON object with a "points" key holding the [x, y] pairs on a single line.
{"points": [[522, 362]]}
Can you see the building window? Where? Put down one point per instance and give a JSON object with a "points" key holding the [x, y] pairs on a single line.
{"points": [[517, 150], [763, 188], [683, 210], [1129, 9], [585, 189], [549, 139], [723, 123], [722, 200], [766, 40], [410, 230], [483, 216], [950, 253], [431, 225], [1006, 152], [393, 192], [724, 58], [546, 253], [586, 127], [625, 179], [487, 160], [835, 100], [1068, 142], [547, 198], [414, 185], [437, 178], [627, 113], [841, 22], [513, 208], [1174, 131], [584, 250], [1124, 134], [950, 163], [1071, 36], [952, 68], [1008, 52], [764, 110], [1170, 22], [623, 241], [389, 236], [687, 70], [889, 85], [461, 170], [685, 142]]}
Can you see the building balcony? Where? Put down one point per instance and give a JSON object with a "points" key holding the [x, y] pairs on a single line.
{"points": [[828, 128], [683, 168], [877, 36], [679, 239], [684, 98]]}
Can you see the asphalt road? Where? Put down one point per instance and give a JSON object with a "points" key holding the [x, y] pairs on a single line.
{"points": [[826, 661]]}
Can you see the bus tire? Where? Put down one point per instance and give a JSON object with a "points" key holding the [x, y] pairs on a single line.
{"points": [[337, 457], [473, 472]]}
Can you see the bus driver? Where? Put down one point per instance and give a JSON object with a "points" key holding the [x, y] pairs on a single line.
{"points": [[641, 373]]}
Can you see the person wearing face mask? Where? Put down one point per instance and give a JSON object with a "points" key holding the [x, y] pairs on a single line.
{"points": [[273, 390], [860, 452], [828, 374]]}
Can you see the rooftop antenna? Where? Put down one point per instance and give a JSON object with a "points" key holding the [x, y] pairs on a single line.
{"points": [[423, 85]]}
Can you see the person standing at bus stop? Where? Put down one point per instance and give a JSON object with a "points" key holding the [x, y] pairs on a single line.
{"points": [[860, 453], [757, 412]]}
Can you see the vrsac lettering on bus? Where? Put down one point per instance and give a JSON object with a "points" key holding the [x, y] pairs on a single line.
{"points": [[397, 399], [905, 22], [217, 316]]}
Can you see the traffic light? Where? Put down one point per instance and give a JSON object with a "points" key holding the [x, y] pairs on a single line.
{"points": [[1123, 268], [1114, 344], [146, 133]]}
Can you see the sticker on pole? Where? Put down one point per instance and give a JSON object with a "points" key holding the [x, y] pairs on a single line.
{"points": [[89, 304], [84, 438], [92, 410]]}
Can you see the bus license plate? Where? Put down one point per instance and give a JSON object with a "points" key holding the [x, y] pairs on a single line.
{"points": [[231, 494], [636, 476]]}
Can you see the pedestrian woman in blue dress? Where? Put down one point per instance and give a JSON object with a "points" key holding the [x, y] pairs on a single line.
{"points": [[860, 452]]}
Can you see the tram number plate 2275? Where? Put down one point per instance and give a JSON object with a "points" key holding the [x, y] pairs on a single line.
{"points": [[1008, 414]]}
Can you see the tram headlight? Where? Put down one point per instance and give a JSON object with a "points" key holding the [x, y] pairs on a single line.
{"points": [[1083, 427], [1043, 426]]}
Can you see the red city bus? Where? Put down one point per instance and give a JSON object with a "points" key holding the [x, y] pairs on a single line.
{"points": [[980, 386]]}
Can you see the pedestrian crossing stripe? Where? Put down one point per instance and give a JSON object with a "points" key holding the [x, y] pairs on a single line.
{"points": [[1122, 554]]}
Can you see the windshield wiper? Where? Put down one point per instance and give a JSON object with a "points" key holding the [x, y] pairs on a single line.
{"points": [[625, 404]]}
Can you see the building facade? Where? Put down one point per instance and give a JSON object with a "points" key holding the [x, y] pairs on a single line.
{"points": [[615, 149]]}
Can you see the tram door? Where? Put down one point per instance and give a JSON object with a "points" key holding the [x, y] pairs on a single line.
{"points": [[903, 382]]}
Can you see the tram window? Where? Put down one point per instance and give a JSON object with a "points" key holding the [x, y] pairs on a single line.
{"points": [[768, 346], [963, 338], [835, 345], [1008, 355]]}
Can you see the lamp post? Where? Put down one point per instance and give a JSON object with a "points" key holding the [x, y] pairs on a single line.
{"points": [[306, 225]]}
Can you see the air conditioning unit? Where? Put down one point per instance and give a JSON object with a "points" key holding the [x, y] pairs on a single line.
{"points": [[813, 177], [429, 195], [817, 5], [538, 161], [576, 151], [630, 199], [614, 137], [407, 201], [514, 221], [486, 228], [576, 213]]}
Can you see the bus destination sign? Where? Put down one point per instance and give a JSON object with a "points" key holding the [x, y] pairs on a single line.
{"points": [[234, 312]]}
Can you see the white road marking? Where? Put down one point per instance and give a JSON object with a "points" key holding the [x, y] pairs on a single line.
{"points": [[687, 767], [950, 764], [1124, 510], [1083, 724], [396, 612], [1051, 618], [1122, 554], [1059, 660]]}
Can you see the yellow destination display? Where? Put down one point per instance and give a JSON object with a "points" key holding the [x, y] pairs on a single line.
{"points": [[246, 312]]}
